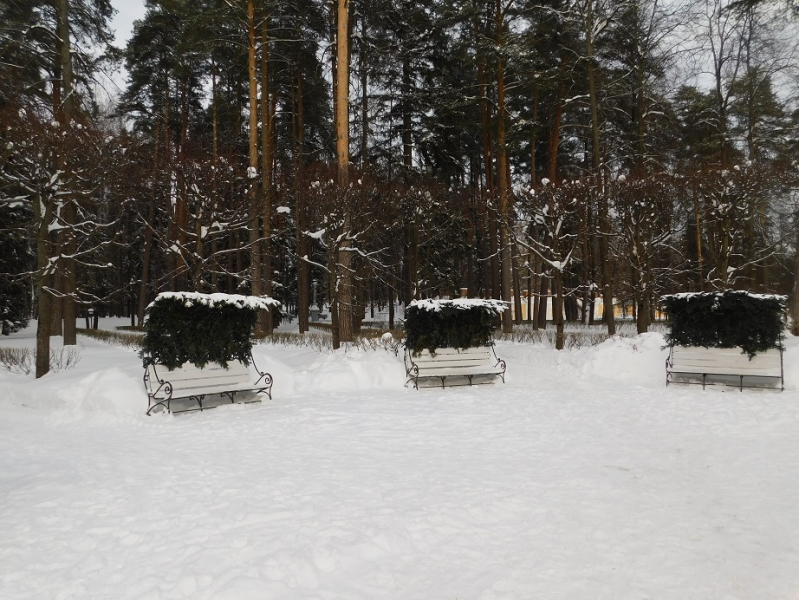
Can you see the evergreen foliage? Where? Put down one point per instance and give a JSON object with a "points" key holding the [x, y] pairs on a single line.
{"points": [[730, 319], [450, 324], [14, 306], [15, 257], [199, 329]]}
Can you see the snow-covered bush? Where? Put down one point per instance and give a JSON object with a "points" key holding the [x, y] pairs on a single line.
{"points": [[201, 328], [730, 319], [462, 323]]}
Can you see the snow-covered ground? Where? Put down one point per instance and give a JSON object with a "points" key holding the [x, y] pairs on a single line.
{"points": [[582, 477]]}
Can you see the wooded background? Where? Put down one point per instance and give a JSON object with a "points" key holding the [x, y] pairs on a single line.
{"points": [[391, 150]]}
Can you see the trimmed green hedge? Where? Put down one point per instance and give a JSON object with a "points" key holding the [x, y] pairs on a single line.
{"points": [[200, 328], [464, 323], [730, 319]]}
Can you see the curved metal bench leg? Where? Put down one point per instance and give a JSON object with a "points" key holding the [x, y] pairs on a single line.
{"points": [[198, 399], [158, 403], [501, 363], [413, 375], [266, 381]]}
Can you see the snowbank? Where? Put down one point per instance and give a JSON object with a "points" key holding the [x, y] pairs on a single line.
{"points": [[582, 477], [640, 360], [299, 372]]}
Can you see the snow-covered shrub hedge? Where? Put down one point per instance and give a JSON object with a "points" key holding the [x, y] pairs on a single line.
{"points": [[201, 328], [730, 319], [462, 323]]}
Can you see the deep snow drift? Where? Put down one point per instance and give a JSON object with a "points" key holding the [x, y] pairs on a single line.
{"points": [[582, 477]]}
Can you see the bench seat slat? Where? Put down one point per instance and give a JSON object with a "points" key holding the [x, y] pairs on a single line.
{"points": [[714, 360], [180, 380], [723, 371], [475, 360], [189, 369], [449, 371], [205, 390], [190, 381], [723, 362], [198, 385], [457, 351], [450, 358], [452, 366]]}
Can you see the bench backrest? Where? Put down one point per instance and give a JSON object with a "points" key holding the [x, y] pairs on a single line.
{"points": [[213, 375], [726, 360], [454, 357]]}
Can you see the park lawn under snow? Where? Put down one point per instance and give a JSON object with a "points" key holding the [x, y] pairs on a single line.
{"points": [[582, 477]]}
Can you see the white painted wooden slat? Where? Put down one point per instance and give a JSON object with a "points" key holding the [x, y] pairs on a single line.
{"points": [[459, 351], [445, 357], [190, 380], [444, 372], [435, 365], [179, 383], [468, 366], [724, 361], [183, 375], [233, 367], [480, 356]]}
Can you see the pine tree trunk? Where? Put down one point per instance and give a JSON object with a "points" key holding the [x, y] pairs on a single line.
{"points": [[68, 214], [596, 153], [543, 301], [333, 295], [504, 184], [252, 171], [517, 291], [795, 300], [364, 97], [171, 259], [642, 318], [344, 268], [148, 234], [557, 311], [182, 202], [553, 143], [698, 222], [407, 133], [267, 153], [43, 212], [486, 214], [391, 306]]}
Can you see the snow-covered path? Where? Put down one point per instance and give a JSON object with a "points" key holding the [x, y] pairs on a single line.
{"points": [[582, 477]]}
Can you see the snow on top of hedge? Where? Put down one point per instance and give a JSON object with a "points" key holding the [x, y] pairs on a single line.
{"points": [[689, 295], [462, 303], [217, 300]]}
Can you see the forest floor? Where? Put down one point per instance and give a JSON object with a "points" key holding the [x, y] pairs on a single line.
{"points": [[583, 476]]}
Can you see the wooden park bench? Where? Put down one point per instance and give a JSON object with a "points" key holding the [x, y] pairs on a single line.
{"points": [[453, 366], [724, 365], [194, 384]]}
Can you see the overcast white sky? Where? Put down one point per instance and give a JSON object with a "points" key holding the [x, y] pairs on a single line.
{"points": [[110, 85], [127, 12]]}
